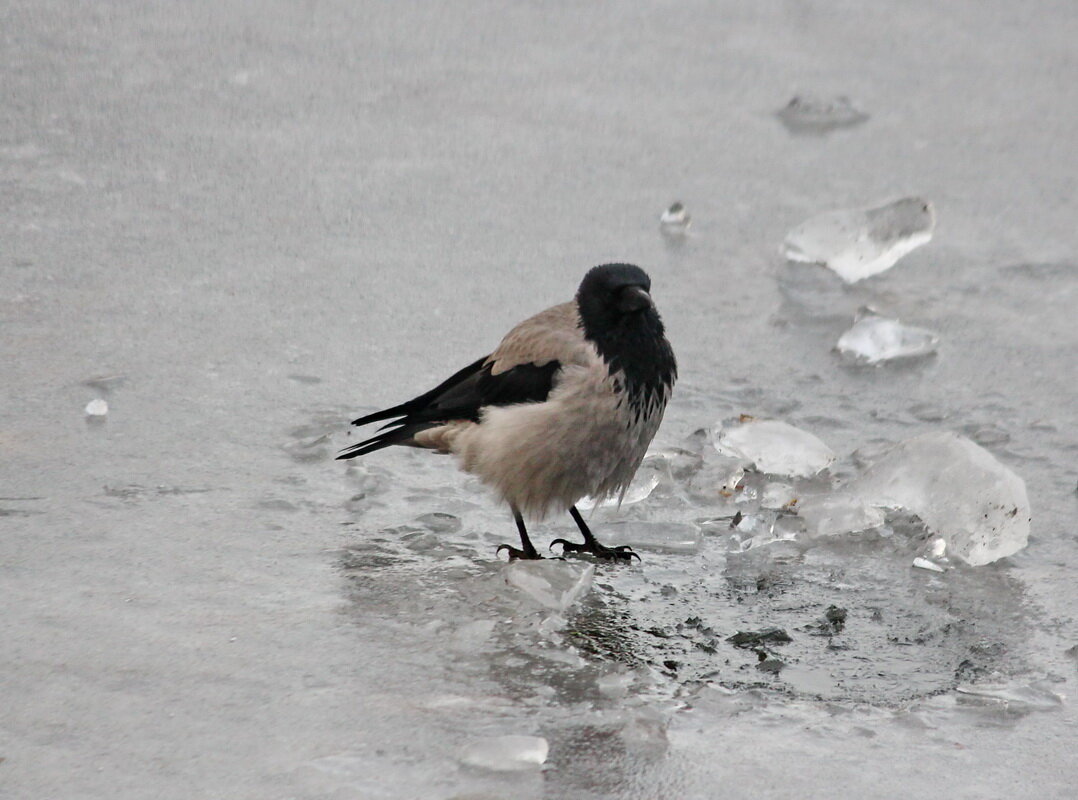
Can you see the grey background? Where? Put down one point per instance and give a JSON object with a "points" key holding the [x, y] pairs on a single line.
{"points": [[269, 217]]}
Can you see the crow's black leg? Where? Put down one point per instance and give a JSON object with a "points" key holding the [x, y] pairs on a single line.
{"points": [[591, 544], [527, 549]]}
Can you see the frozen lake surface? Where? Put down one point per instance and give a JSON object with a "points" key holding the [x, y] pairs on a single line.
{"points": [[241, 227]]}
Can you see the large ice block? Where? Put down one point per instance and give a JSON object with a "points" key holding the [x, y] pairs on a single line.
{"points": [[858, 243], [959, 490], [873, 340], [775, 447]]}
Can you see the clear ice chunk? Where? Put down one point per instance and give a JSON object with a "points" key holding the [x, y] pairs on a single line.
{"points": [[977, 506], [776, 448], [806, 114], [97, 408], [873, 340], [658, 537], [641, 487], [858, 243], [833, 514], [556, 585], [675, 220], [924, 563], [506, 753]]}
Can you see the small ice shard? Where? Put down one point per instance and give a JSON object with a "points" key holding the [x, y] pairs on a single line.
{"points": [[959, 490], [806, 114], [832, 514], [758, 530], [97, 408], [658, 537], [873, 340], [1036, 696], [552, 584], [776, 448], [718, 480], [778, 496], [506, 753], [639, 490], [924, 563], [858, 243], [675, 220]]}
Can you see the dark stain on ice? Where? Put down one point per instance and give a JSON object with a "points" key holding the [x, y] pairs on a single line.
{"points": [[807, 115], [755, 639]]}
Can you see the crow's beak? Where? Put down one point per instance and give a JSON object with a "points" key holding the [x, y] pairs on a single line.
{"points": [[633, 298]]}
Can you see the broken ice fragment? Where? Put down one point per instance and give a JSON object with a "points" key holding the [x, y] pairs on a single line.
{"points": [[639, 490], [924, 563], [873, 340], [828, 515], [1036, 696], [858, 243], [553, 584], [658, 537], [97, 408], [959, 490], [506, 753], [806, 114], [675, 220], [775, 448]]}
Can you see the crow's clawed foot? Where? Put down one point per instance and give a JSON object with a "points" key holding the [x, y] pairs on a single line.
{"points": [[516, 553], [620, 553]]}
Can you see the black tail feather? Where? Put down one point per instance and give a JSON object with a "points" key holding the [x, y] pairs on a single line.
{"points": [[396, 436], [417, 403]]}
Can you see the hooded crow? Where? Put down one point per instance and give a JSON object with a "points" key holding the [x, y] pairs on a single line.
{"points": [[565, 407]]}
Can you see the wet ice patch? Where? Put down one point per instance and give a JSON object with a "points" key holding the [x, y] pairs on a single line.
{"points": [[874, 340], [813, 115], [555, 585], [859, 243], [976, 505], [775, 447], [506, 753]]}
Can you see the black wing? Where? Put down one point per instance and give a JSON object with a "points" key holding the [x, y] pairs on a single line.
{"points": [[460, 397]]}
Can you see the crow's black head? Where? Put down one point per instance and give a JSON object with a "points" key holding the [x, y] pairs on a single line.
{"points": [[619, 317], [612, 291]]}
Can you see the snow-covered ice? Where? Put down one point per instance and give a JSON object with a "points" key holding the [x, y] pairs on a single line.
{"points": [[97, 408], [506, 753], [775, 447], [859, 243], [959, 490], [874, 339], [816, 115]]}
